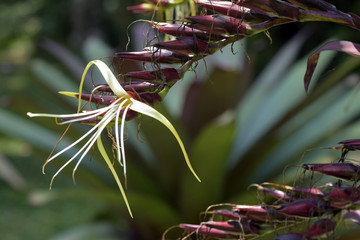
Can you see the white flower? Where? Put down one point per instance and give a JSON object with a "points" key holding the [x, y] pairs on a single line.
{"points": [[110, 113]]}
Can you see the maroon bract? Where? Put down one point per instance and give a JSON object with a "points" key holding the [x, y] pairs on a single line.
{"points": [[273, 192], [347, 145], [208, 231], [186, 45], [347, 171], [319, 228], [155, 56], [343, 196], [298, 191], [226, 213], [233, 10], [218, 24], [258, 213], [310, 207], [276, 8], [241, 226], [181, 30], [163, 75]]}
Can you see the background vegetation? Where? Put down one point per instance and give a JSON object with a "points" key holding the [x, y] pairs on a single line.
{"points": [[244, 117]]}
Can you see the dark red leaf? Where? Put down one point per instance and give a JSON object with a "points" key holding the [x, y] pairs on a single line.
{"points": [[341, 46]]}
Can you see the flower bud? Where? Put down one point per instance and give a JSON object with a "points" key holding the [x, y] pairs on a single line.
{"points": [[241, 226], [186, 45], [258, 213], [298, 191], [163, 75], [181, 30], [218, 24], [274, 8], [155, 55], [347, 171], [233, 10], [310, 207], [343, 196], [208, 231], [319, 228]]}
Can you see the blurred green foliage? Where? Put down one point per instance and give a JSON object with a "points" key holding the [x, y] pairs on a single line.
{"points": [[243, 118]]}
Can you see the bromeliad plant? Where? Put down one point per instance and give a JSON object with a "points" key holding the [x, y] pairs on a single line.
{"points": [[193, 38], [297, 213]]}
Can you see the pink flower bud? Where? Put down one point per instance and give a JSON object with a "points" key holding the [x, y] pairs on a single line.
{"points": [[232, 10], [218, 24], [347, 171], [241, 226], [155, 56], [298, 191], [226, 213], [274, 193], [275, 8], [186, 45], [303, 208], [181, 30], [259, 213], [208, 231], [343, 196]]}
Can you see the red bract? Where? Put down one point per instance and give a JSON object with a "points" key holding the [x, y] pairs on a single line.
{"points": [[258, 213], [218, 24], [300, 192], [226, 213], [186, 45], [164, 75], [347, 171], [319, 228], [341, 46], [310, 207], [208, 231], [273, 192], [155, 56], [233, 10], [274, 8], [181, 30], [241, 226], [343, 196]]}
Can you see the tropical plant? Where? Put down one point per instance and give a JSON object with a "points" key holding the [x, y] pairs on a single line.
{"points": [[158, 189]]}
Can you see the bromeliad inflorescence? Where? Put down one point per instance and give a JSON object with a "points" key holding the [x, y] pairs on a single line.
{"points": [[124, 104]]}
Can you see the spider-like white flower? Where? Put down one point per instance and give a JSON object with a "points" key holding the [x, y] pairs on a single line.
{"points": [[108, 114]]}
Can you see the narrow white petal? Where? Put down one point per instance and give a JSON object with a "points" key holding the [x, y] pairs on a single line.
{"points": [[117, 131], [122, 137], [94, 115], [90, 143], [110, 78]]}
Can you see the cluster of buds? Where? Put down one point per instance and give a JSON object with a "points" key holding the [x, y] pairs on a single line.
{"points": [[199, 36], [313, 211]]}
